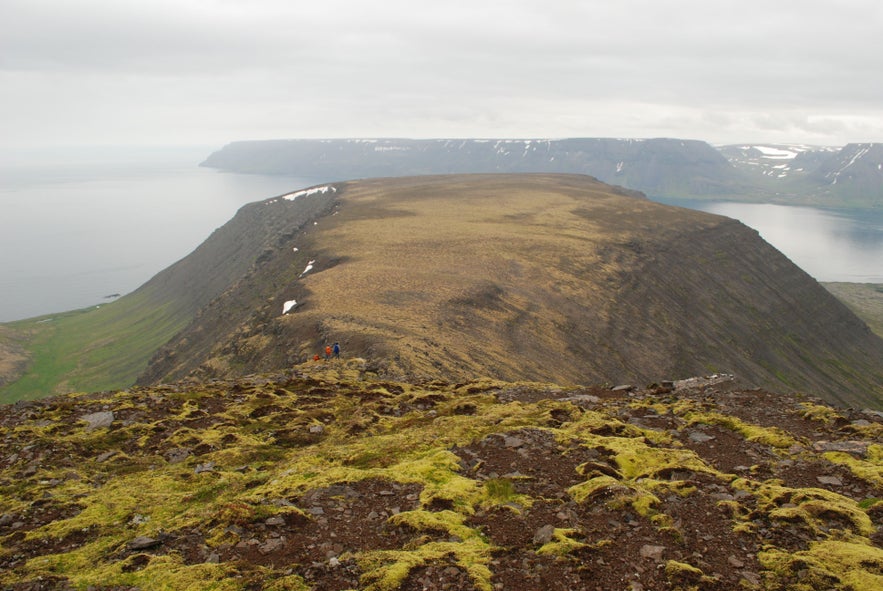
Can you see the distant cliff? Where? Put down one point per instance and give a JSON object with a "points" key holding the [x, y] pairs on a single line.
{"points": [[667, 167], [847, 177]]}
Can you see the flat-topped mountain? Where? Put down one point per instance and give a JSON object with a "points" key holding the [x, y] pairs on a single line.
{"points": [[556, 278], [851, 176], [655, 166]]}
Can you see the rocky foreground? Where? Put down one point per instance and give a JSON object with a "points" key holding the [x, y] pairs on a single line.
{"points": [[329, 478]]}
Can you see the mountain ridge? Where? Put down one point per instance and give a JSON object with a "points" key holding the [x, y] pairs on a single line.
{"points": [[240, 464], [542, 277], [557, 278]]}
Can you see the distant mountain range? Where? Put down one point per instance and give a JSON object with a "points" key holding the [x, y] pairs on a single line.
{"points": [[847, 177]]}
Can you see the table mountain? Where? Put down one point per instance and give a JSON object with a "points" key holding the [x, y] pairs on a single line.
{"points": [[556, 278], [846, 177]]}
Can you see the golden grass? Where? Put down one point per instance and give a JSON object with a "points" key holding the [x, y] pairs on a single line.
{"points": [[441, 271]]}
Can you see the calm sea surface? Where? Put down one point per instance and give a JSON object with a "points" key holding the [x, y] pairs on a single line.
{"points": [[77, 229], [74, 232], [830, 245]]}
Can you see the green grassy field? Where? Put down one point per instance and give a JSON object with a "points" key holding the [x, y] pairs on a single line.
{"points": [[93, 349]]}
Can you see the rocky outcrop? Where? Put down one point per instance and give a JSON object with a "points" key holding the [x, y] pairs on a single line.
{"points": [[701, 483]]}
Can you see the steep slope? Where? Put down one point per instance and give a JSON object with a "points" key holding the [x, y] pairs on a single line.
{"points": [[227, 255], [865, 299], [542, 277], [665, 167], [325, 478], [109, 346]]}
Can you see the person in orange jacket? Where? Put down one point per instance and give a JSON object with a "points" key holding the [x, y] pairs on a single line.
{"points": [[327, 352]]}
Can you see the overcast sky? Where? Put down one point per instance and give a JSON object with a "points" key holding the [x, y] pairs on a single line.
{"points": [[207, 72]]}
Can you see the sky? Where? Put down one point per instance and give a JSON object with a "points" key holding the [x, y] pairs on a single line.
{"points": [[208, 72]]}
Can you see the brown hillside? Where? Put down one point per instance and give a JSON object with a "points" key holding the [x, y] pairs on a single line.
{"points": [[541, 277]]}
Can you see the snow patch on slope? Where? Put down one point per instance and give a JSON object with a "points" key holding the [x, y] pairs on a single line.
{"points": [[311, 191]]}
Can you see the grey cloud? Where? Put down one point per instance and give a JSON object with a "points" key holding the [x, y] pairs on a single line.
{"points": [[224, 70]]}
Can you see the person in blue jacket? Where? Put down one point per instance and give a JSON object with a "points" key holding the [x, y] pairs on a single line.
{"points": [[336, 349]]}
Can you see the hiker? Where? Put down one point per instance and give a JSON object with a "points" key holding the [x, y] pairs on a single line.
{"points": [[336, 349], [316, 357], [327, 352]]}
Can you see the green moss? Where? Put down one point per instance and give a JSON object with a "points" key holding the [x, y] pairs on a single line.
{"points": [[772, 436], [637, 460], [869, 469], [870, 502], [618, 495], [386, 570], [820, 413], [681, 570], [499, 490], [599, 486], [831, 564], [819, 509], [287, 583], [366, 436], [164, 573], [682, 575], [450, 523], [563, 542]]}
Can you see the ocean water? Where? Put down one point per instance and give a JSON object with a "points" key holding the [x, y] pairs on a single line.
{"points": [[76, 229], [829, 244], [79, 227]]}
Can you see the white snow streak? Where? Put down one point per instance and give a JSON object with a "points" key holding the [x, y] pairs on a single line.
{"points": [[776, 153], [308, 192], [861, 152], [288, 306]]}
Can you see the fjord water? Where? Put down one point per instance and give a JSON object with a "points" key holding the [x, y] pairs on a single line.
{"points": [[75, 231], [831, 245], [77, 227]]}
